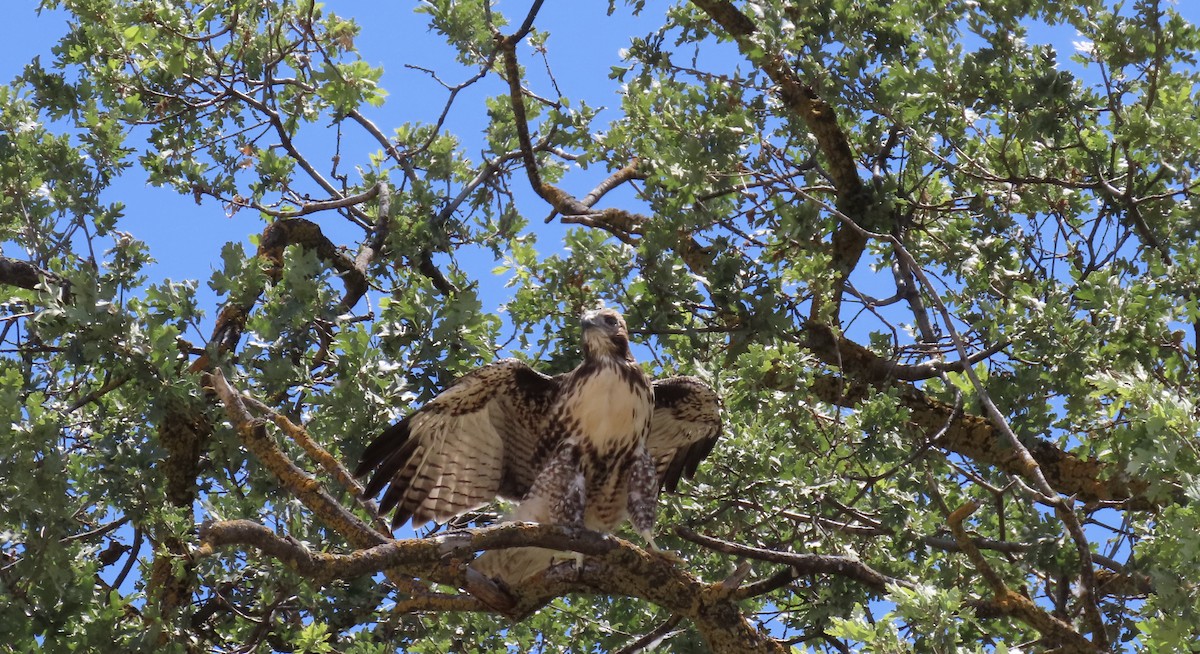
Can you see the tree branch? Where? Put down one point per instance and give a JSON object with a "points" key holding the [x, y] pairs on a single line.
{"points": [[620, 223], [22, 274], [275, 238], [1028, 465], [653, 637], [972, 436], [618, 568], [306, 488], [626, 173], [322, 205], [853, 197], [803, 564], [1012, 603]]}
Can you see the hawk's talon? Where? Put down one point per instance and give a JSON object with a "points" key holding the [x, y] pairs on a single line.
{"points": [[667, 555]]}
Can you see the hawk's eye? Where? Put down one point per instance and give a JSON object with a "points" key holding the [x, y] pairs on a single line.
{"points": [[610, 320]]}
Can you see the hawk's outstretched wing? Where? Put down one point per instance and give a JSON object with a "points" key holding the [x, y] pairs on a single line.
{"points": [[474, 441], [683, 429]]}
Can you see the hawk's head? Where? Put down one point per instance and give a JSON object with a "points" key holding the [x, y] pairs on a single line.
{"points": [[605, 334]]}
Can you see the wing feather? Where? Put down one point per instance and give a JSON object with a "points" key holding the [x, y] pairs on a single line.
{"points": [[684, 428], [464, 447]]}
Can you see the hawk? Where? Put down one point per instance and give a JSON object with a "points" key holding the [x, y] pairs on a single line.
{"points": [[591, 447]]}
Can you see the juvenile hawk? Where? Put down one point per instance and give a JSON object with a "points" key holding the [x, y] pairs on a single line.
{"points": [[590, 447]]}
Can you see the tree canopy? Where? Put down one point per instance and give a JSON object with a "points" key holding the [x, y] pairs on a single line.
{"points": [[943, 270]]}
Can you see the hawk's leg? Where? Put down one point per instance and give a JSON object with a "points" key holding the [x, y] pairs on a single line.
{"points": [[558, 494], [570, 506], [643, 501], [643, 495]]}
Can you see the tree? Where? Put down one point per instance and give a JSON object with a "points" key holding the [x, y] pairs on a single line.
{"points": [[943, 273]]}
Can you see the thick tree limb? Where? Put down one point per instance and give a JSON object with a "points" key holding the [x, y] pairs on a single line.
{"points": [[628, 172], [1088, 480], [307, 234], [835, 349], [439, 603], [184, 432], [427, 267], [1123, 584], [304, 486], [799, 98], [617, 567], [231, 321], [969, 435], [974, 437], [22, 274], [328, 463], [367, 253]]}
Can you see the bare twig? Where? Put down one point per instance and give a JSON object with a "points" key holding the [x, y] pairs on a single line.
{"points": [[804, 564], [322, 205], [628, 172]]}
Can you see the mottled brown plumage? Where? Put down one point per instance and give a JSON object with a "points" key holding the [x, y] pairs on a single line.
{"points": [[591, 447]]}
